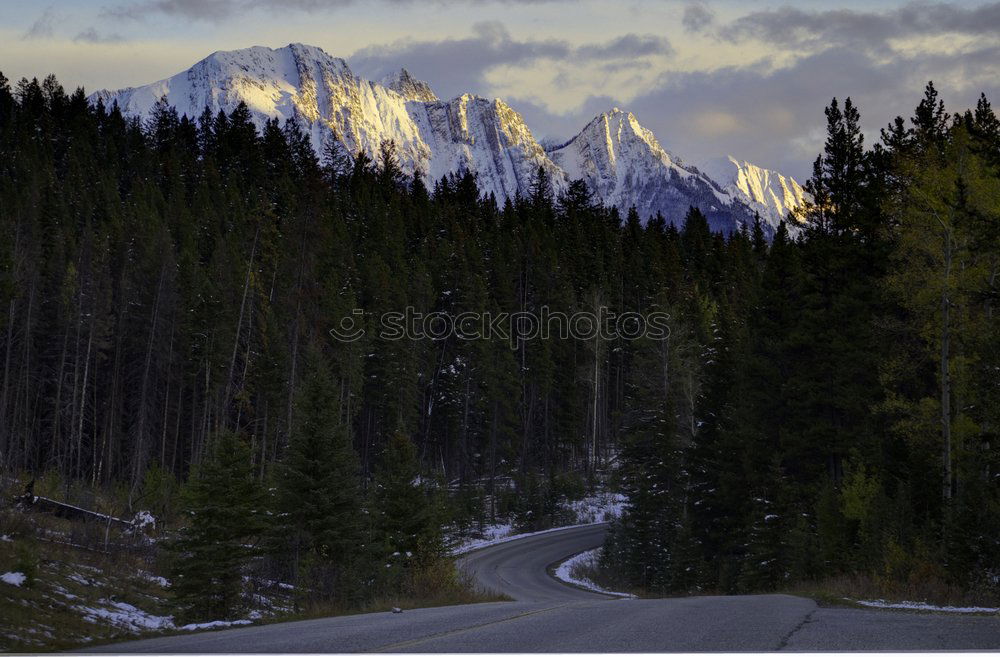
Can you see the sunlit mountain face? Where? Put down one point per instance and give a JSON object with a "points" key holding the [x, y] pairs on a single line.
{"points": [[621, 161]]}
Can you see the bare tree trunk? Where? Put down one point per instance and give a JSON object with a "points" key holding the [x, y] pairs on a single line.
{"points": [[83, 397], [945, 369], [5, 422], [166, 401], [493, 464], [292, 370], [239, 322], [592, 460], [26, 369], [177, 423], [139, 458]]}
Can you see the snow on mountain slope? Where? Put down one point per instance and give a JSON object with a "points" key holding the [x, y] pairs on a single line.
{"points": [[620, 160], [624, 165], [408, 87], [483, 136], [766, 192], [486, 137]]}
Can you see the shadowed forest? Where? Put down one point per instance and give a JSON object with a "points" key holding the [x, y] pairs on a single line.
{"points": [[827, 403]]}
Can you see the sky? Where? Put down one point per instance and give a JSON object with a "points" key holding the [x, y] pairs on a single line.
{"points": [[709, 78]]}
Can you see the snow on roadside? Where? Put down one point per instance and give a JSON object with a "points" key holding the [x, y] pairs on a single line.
{"points": [[492, 534], [14, 579], [602, 507], [923, 606], [475, 544], [565, 573], [213, 625], [129, 617]]}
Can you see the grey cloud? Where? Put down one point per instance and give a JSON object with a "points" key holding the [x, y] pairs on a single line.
{"points": [[629, 45], [210, 10], [217, 10], [697, 17], [458, 66], [775, 117], [868, 29], [43, 25], [778, 115], [91, 35]]}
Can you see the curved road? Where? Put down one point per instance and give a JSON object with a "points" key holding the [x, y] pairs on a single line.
{"points": [[519, 568], [548, 616]]}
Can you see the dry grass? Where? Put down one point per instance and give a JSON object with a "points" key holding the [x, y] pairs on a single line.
{"points": [[439, 585], [926, 587]]}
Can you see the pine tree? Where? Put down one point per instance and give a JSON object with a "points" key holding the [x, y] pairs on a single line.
{"points": [[407, 531], [223, 504], [319, 517]]}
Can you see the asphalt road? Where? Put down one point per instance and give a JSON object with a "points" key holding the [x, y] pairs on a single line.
{"points": [[548, 616], [518, 568]]}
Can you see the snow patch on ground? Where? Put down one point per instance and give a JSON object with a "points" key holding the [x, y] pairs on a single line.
{"points": [[492, 534], [155, 579], [14, 579], [602, 507], [213, 625], [565, 573], [64, 593], [129, 617], [125, 616], [923, 606]]}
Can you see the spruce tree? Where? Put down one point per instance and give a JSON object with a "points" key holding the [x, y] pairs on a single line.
{"points": [[319, 517], [223, 504], [407, 531]]}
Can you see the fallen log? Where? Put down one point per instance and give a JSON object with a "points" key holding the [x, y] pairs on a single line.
{"points": [[28, 501]]}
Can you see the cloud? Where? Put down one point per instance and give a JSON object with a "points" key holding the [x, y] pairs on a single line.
{"points": [[791, 27], [697, 17], [627, 46], [91, 35], [773, 116], [42, 28], [218, 10], [208, 10], [461, 64]]}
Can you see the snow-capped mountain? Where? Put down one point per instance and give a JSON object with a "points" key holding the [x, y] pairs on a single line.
{"points": [[624, 165], [409, 87], [471, 133], [620, 160], [766, 192]]}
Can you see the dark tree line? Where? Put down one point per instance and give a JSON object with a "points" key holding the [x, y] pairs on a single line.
{"points": [[164, 280], [825, 402], [851, 382]]}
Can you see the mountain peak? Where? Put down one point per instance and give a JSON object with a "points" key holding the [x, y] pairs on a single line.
{"points": [[408, 86], [621, 161], [770, 194]]}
